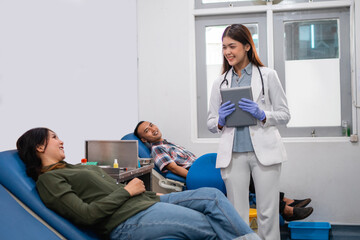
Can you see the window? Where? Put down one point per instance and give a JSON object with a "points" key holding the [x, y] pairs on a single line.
{"points": [[209, 31], [312, 58], [311, 39], [310, 50]]}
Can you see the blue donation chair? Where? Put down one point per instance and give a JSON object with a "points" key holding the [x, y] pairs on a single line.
{"points": [[16, 222], [204, 174], [167, 180], [201, 174], [13, 178]]}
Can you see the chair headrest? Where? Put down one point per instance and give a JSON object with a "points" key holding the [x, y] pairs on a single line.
{"points": [[144, 149]]}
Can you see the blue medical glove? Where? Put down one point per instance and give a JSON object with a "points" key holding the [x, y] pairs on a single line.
{"points": [[225, 110], [252, 108]]}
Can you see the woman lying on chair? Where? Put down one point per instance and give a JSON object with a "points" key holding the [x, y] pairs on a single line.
{"points": [[87, 196]]}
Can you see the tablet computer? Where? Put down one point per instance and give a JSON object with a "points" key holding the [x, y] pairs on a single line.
{"points": [[238, 118]]}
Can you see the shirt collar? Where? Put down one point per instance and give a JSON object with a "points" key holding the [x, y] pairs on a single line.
{"points": [[159, 143], [247, 70]]}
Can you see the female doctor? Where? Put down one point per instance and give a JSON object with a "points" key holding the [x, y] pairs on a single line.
{"points": [[256, 149]]}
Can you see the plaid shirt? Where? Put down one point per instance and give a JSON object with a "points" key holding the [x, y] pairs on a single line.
{"points": [[164, 153]]}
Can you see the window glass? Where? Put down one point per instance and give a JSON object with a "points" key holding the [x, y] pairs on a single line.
{"points": [[312, 61], [209, 58], [311, 39], [311, 53]]}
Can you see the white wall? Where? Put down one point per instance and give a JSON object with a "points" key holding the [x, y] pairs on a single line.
{"points": [[69, 65], [324, 169]]}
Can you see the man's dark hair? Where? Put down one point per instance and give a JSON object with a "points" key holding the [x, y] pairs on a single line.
{"points": [[136, 129]]}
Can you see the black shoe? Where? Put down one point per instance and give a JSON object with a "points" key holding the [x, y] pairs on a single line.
{"points": [[300, 203], [299, 213]]}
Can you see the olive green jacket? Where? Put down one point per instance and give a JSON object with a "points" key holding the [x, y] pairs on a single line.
{"points": [[88, 196]]}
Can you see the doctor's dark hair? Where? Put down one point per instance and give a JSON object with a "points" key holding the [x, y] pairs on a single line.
{"points": [[26, 146], [241, 34], [136, 130]]}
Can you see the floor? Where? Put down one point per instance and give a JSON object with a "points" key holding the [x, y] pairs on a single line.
{"points": [[337, 232]]}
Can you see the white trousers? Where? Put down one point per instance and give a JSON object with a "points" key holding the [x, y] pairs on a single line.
{"points": [[267, 184]]}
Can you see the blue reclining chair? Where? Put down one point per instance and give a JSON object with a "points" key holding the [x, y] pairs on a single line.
{"points": [[204, 174], [167, 180], [13, 177], [201, 174], [16, 222]]}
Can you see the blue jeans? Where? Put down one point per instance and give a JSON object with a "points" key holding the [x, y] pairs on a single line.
{"points": [[204, 213]]}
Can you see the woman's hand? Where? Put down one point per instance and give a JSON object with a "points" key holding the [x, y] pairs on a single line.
{"points": [[225, 110], [135, 187], [252, 108]]}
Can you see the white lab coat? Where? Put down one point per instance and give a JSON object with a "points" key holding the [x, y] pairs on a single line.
{"points": [[265, 138]]}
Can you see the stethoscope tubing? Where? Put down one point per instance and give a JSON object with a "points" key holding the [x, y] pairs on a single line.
{"points": [[227, 82]]}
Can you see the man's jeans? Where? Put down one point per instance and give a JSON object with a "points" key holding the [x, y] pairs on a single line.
{"points": [[204, 213]]}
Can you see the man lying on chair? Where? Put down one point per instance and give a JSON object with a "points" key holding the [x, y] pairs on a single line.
{"points": [[171, 157]]}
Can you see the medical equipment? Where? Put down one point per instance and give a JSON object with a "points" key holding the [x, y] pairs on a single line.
{"points": [[262, 83], [239, 117]]}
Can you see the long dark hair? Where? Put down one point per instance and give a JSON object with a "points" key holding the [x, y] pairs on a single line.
{"points": [[241, 34], [26, 146]]}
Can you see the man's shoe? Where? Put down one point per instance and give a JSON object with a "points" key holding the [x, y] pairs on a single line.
{"points": [[300, 203], [299, 213]]}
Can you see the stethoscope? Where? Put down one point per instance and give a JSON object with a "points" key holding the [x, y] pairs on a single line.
{"points": [[262, 83]]}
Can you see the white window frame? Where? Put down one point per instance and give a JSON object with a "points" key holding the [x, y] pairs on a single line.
{"points": [[269, 9]]}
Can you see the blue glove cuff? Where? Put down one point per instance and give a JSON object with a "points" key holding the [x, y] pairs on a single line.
{"points": [[221, 121]]}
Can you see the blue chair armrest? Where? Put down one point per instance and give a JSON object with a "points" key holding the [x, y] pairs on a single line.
{"points": [[170, 175]]}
